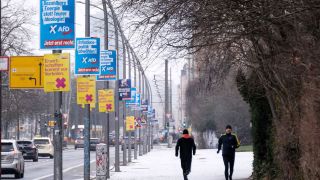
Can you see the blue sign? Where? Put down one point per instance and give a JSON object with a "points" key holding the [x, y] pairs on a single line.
{"points": [[108, 65], [132, 102], [87, 56], [138, 99], [57, 27], [124, 89]]}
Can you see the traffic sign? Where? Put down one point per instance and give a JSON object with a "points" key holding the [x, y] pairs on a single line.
{"points": [[57, 72], [4, 63], [57, 24], [86, 90], [26, 72]]}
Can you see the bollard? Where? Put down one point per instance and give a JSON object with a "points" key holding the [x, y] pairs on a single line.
{"points": [[101, 161]]}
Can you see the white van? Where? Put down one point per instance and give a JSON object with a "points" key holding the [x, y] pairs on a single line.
{"points": [[12, 161], [45, 146]]}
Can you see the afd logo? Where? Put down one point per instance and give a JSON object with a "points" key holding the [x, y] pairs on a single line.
{"points": [[60, 29], [105, 68], [86, 60]]}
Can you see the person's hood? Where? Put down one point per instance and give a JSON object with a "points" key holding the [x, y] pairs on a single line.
{"points": [[186, 136]]}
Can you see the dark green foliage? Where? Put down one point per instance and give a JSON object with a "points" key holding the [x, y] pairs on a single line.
{"points": [[262, 128]]}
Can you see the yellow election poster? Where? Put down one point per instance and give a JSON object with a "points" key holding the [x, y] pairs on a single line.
{"points": [[130, 123], [57, 72], [106, 100], [86, 90]]}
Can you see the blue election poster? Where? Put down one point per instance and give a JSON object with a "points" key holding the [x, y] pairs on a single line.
{"points": [[57, 29], [132, 102], [108, 65], [87, 56], [124, 89]]}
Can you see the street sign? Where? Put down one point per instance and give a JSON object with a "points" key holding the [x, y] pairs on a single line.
{"points": [[87, 56], [108, 65], [57, 72], [106, 100], [57, 24], [86, 90], [4, 63], [130, 123], [124, 89], [26, 72]]}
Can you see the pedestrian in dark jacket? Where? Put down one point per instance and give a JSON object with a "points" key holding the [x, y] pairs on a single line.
{"points": [[229, 142], [187, 148]]}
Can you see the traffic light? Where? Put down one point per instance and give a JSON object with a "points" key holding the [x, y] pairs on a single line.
{"points": [[184, 124]]}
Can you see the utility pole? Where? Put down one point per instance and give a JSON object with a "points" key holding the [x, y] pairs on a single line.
{"points": [[117, 123], [106, 85], [166, 104], [87, 106], [124, 105], [0, 83], [135, 111], [141, 94], [129, 133], [170, 98]]}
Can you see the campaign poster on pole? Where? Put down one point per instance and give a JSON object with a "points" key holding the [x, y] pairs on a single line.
{"points": [[132, 101], [57, 72], [108, 65], [106, 100], [57, 24], [87, 56], [124, 89], [86, 90], [130, 123]]}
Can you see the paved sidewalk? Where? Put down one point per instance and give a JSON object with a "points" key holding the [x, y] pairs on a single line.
{"points": [[161, 164]]}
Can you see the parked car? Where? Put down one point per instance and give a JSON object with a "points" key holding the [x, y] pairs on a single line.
{"points": [[12, 161], [93, 143], [45, 147], [28, 149], [78, 143]]}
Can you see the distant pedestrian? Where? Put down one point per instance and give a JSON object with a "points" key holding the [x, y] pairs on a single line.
{"points": [[229, 142], [187, 148]]}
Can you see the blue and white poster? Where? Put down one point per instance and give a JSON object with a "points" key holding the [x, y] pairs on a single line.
{"points": [[87, 56], [108, 65], [132, 102], [138, 99], [57, 24], [124, 89]]}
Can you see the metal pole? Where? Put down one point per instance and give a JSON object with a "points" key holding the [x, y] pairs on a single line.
{"points": [[135, 112], [129, 133], [124, 106], [86, 172], [106, 85], [58, 133], [140, 145], [166, 101], [0, 86], [117, 123]]}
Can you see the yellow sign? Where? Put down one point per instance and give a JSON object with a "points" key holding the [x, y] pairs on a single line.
{"points": [[106, 100], [130, 123], [86, 90], [26, 72], [56, 72], [51, 123]]}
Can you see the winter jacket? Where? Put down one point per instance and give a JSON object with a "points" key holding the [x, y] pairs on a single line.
{"points": [[187, 147], [229, 142]]}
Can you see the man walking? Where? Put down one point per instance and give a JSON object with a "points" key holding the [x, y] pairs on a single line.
{"points": [[187, 148], [229, 142]]}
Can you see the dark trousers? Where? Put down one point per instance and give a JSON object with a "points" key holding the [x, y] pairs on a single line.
{"points": [[228, 160], [186, 165]]}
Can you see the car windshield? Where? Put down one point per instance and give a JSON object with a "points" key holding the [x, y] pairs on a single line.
{"points": [[94, 140], [24, 143], [41, 141], [7, 147]]}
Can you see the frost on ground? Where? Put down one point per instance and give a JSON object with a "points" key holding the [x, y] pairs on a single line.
{"points": [[161, 164]]}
